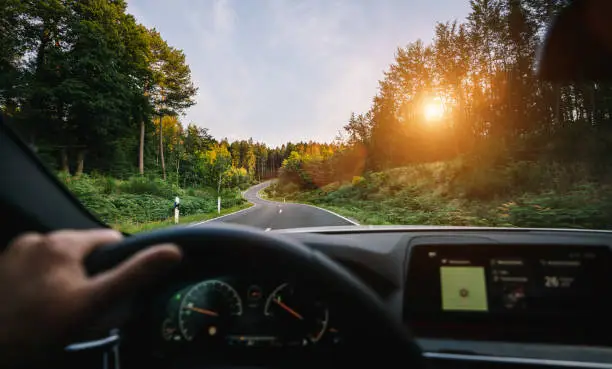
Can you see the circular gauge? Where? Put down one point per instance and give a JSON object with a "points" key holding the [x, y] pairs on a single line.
{"points": [[298, 318], [207, 308], [169, 330]]}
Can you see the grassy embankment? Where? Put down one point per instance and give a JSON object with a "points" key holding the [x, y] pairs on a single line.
{"points": [[142, 204], [521, 194]]}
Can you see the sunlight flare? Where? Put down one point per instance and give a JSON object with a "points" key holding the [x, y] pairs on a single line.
{"points": [[433, 110]]}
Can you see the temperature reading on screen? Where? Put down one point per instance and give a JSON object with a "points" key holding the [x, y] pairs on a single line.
{"points": [[551, 281]]}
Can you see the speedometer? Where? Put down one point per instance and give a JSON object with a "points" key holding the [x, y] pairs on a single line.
{"points": [[207, 309], [298, 317]]}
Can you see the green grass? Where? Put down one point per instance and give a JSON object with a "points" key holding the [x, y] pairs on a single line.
{"points": [[461, 193], [133, 227], [140, 203]]}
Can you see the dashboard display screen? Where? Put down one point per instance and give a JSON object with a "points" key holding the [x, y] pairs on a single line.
{"points": [[508, 279], [463, 288]]}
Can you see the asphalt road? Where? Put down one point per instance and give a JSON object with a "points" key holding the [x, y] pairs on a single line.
{"points": [[269, 215]]}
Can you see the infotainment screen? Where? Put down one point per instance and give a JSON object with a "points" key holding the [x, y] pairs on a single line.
{"points": [[463, 288], [508, 279]]}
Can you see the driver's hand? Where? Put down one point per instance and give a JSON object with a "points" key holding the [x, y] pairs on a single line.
{"points": [[46, 294]]}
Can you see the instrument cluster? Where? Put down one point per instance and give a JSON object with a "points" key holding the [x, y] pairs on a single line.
{"points": [[233, 312]]}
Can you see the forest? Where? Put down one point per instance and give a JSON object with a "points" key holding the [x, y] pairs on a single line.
{"points": [[88, 88], [462, 132], [100, 98]]}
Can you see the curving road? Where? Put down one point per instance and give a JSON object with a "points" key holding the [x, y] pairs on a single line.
{"points": [[269, 215]]}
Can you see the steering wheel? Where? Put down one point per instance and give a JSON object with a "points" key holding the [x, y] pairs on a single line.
{"points": [[373, 332]]}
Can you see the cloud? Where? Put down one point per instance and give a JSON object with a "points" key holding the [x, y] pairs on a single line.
{"points": [[350, 90], [312, 28], [321, 35], [213, 25], [280, 70], [224, 17]]}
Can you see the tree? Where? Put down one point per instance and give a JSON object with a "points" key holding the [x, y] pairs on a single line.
{"points": [[217, 163], [107, 55], [235, 152], [139, 40], [198, 139], [262, 153], [42, 46], [359, 129], [250, 160], [13, 46], [171, 90]]}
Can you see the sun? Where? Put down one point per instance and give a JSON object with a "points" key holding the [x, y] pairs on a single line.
{"points": [[433, 110]]}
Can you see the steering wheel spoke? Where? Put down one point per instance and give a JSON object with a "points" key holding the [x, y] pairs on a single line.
{"points": [[104, 351]]}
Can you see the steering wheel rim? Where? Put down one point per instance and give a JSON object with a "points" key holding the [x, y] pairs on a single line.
{"points": [[392, 334]]}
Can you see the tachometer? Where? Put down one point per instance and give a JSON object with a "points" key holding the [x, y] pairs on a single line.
{"points": [[207, 309], [298, 317]]}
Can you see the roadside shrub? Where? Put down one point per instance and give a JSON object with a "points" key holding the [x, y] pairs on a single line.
{"points": [[288, 188], [357, 181], [141, 199], [158, 187]]}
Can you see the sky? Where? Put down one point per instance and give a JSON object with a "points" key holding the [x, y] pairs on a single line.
{"points": [[288, 70]]}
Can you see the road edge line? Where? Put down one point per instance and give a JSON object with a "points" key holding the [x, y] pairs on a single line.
{"points": [[259, 197], [331, 212], [222, 216]]}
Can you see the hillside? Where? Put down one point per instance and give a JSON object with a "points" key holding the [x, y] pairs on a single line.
{"points": [[521, 194]]}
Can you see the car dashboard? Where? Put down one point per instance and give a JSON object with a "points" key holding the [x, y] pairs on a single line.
{"points": [[471, 297], [499, 296]]}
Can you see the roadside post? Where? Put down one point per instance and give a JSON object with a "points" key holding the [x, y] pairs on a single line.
{"points": [[219, 205], [176, 209]]}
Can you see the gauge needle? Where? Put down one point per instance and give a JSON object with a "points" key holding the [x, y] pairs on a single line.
{"points": [[202, 311], [288, 309]]}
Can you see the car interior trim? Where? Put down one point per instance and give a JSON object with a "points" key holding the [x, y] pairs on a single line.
{"points": [[94, 344], [516, 360]]}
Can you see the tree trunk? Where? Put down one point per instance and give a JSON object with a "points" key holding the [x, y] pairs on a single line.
{"points": [[219, 194], [557, 119], [161, 147], [593, 107], [65, 166], [80, 162], [141, 150]]}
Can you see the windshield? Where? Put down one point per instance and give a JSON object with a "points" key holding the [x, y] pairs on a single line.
{"points": [[391, 112]]}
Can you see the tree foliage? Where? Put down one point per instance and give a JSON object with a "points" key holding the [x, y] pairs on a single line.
{"points": [[94, 91], [480, 75]]}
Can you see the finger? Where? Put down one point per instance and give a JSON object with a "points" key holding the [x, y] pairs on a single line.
{"points": [[82, 242], [141, 269], [29, 238]]}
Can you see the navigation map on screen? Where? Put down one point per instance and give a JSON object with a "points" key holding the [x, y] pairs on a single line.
{"points": [[463, 288]]}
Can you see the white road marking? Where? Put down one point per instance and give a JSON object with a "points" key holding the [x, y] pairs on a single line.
{"points": [[223, 216], [280, 211], [268, 229], [331, 212]]}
